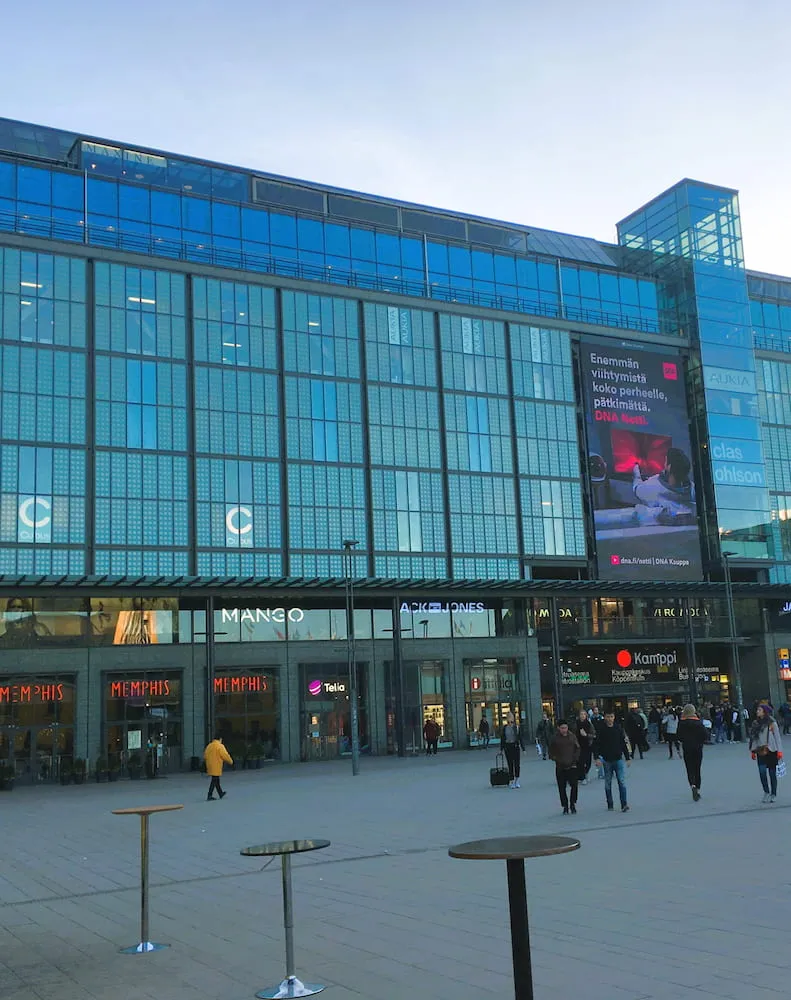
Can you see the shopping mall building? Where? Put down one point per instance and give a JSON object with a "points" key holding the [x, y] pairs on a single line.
{"points": [[557, 464]]}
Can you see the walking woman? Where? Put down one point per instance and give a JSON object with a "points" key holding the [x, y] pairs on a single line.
{"points": [[692, 736], [766, 746], [586, 734], [511, 742], [671, 731]]}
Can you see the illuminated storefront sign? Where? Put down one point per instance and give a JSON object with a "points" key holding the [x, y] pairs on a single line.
{"points": [[438, 608], [317, 687], [241, 685], [139, 689], [30, 694], [784, 667], [253, 615]]}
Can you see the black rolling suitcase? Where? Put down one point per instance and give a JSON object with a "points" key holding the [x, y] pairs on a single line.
{"points": [[498, 775]]}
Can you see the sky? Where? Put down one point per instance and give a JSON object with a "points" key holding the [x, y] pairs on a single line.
{"points": [[560, 114]]}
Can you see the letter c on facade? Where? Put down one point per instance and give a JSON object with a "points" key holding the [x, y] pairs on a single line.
{"points": [[24, 512], [234, 514]]}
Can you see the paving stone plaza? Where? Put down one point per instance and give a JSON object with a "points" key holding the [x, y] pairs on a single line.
{"points": [[670, 901]]}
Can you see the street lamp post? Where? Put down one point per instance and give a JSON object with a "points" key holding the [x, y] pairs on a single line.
{"points": [[737, 670], [348, 569]]}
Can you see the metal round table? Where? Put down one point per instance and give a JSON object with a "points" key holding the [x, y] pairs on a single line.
{"points": [[144, 946], [514, 850], [290, 986]]}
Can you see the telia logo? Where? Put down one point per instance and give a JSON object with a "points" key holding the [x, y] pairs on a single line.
{"points": [[314, 688], [624, 658]]}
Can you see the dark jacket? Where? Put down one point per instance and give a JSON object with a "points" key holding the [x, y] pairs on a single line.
{"points": [[545, 730], [585, 733], [520, 741], [611, 744], [564, 750], [691, 734]]}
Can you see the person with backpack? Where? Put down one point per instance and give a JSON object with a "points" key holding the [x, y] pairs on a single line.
{"points": [[692, 736], [766, 747]]}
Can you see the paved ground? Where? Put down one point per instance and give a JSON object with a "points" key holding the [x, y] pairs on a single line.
{"points": [[671, 901]]}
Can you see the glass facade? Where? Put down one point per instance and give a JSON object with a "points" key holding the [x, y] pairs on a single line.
{"points": [[700, 226]]}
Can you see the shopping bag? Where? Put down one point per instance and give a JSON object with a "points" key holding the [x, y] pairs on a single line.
{"points": [[539, 751], [781, 768]]}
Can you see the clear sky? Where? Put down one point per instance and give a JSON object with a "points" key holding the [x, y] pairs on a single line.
{"points": [[564, 114]]}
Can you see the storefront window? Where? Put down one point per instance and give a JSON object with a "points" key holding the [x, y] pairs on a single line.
{"points": [[492, 691], [27, 622], [425, 697], [246, 714], [36, 725], [142, 716], [326, 716], [265, 623], [134, 621]]}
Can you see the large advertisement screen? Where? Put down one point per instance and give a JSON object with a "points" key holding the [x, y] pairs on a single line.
{"points": [[639, 465]]}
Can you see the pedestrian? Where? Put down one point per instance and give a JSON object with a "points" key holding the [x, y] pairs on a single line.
{"points": [[785, 715], [564, 750], [654, 720], [545, 730], [586, 734], [692, 736], [512, 743], [671, 731], [431, 736], [766, 746], [215, 755], [635, 731], [611, 751], [484, 732], [719, 724]]}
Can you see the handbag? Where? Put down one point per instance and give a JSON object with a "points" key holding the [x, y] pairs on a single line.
{"points": [[781, 768]]}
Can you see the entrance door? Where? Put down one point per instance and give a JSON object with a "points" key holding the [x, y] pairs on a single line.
{"points": [[156, 742], [36, 752], [143, 721], [326, 711]]}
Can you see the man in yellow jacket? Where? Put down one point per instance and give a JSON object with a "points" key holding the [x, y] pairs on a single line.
{"points": [[215, 756]]}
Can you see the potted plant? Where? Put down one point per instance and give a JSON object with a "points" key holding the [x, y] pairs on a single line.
{"points": [[134, 766], [65, 772], [102, 769], [255, 755], [78, 771], [7, 778]]}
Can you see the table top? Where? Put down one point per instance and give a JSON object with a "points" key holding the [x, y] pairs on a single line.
{"points": [[284, 847], [144, 810], [513, 848]]}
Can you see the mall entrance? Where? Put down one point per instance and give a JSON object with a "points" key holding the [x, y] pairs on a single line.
{"points": [[326, 710], [492, 691], [37, 727], [142, 723]]}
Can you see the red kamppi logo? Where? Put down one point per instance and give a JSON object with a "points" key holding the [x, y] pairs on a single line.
{"points": [[624, 658]]}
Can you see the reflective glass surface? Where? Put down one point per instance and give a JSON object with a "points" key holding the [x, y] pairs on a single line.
{"points": [[43, 298]]}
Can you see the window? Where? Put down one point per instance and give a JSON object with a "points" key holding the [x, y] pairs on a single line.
{"points": [[326, 506], [478, 433], [236, 413], [323, 420], [140, 404], [404, 427], [44, 298], [139, 311], [473, 354], [238, 504], [400, 345], [320, 335], [234, 324], [42, 395], [408, 513]]}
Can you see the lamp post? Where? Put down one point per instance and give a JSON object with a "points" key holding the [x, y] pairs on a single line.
{"points": [[737, 670], [348, 571]]}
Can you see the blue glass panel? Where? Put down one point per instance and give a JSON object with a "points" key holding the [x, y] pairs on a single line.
{"points": [[134, 202], [230, 184], [226, 219], [102, 196], [196, 213], [412, 253], [34, 184], [310, 235], [192, 177], [336, 240], [283, 230], [165, 208], [504, 269], [737, 427], [387, 249], [255, 225], [7, 180], [363, 244], [483, 266], [67, 190], [589, 284], [547, 277]]}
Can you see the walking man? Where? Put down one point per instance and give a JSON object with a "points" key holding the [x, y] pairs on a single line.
{"points": [[544, 733], [565, 751], [611, 751], [431, 736], [215, 755], [483, 732], [692, 736]]}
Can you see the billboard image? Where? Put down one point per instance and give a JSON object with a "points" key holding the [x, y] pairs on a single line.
{"points": [[639, 465]]}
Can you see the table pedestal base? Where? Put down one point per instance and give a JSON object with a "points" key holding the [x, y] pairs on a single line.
{"points": [[290, 987], [143, 948]]}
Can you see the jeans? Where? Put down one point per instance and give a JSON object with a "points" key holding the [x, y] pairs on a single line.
{"points": [[719, 733], [617, 768], [653, 732], [768, 763]]}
